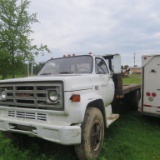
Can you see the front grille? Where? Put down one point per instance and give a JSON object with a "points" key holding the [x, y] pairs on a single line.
{"points": [[28, 115], [32, 95]]}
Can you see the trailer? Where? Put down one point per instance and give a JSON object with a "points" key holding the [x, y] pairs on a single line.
{"points": [[150, 102]]}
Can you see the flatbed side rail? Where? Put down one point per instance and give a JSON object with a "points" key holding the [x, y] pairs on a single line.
{"points": [[131, 87]]}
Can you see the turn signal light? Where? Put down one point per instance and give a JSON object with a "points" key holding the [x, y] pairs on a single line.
{"points": [[75, 98], [148, 94], [154, 94]]}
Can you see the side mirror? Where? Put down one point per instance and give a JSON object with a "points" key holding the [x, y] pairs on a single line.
{"points": [[116, 64]]}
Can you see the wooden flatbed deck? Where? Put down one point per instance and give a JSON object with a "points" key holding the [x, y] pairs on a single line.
{"points": [[130, 88]]}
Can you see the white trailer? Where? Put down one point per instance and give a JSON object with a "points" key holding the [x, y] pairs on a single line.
{"points": [[150, 102]]}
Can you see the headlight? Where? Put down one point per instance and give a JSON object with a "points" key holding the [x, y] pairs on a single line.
{"points": [[3, 94], [53, 95]]}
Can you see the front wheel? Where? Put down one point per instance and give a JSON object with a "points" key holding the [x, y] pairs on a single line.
{"points": [[92, 135], [136, 96]]}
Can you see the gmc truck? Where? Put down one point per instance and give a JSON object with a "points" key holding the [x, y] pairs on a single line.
{"points": [[69, 102]]}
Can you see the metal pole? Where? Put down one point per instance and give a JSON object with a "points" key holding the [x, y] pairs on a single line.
{"points": [[32, 68], [134, 61], [28, 68]]}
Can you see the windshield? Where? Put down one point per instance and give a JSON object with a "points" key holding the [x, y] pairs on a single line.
{"points": [[68, 65]]}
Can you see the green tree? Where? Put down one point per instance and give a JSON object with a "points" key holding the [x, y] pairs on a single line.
{"points": [[38, 67], [126, 66], [15, 29]]}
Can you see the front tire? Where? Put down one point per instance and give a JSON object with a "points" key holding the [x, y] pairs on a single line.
{"points": [[92, 135]]}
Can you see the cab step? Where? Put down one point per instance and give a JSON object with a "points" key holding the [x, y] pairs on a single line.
{"points": [[111, 118]]}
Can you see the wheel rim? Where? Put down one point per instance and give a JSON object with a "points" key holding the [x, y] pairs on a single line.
{"points": [[96, 135]]}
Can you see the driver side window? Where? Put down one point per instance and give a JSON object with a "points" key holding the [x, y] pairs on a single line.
{"points": [[101, 67]]}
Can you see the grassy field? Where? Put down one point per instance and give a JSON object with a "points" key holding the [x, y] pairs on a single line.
{"points": [[132, 137], [133, 78]]}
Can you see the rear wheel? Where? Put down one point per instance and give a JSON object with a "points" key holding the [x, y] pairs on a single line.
{"points": [[135, 100], [92, 135], [132, 100]]}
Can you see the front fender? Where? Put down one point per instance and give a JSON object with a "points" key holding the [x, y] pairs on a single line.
{"points": [[76, 110]]}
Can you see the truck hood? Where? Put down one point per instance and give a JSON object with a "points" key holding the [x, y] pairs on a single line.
{"points": [[70, 82]]}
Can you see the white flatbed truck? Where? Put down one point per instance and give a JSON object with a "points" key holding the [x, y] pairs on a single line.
{"points": [[150, 102], [68, 102]]}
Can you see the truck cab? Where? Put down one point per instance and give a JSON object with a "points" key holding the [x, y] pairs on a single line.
{"points": [[68, 102]]}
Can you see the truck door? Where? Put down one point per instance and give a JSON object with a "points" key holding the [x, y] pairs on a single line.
{"points": [[151, 84], [103, 81]]}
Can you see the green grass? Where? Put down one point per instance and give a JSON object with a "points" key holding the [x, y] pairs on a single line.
{"points": [[132, 78], [132, 137]]}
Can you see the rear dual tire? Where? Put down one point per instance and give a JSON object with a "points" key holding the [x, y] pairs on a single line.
{"points": [[132, 100]]}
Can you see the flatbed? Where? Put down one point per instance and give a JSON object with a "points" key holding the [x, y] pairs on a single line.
{"points": [[130, 99], [130, 87]]}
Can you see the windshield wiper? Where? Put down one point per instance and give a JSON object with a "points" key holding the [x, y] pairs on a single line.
{"points": [[65, 72], [45, 73]]}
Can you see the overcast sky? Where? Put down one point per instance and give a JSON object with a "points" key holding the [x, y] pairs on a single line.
{"points": [[97, 26]]}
